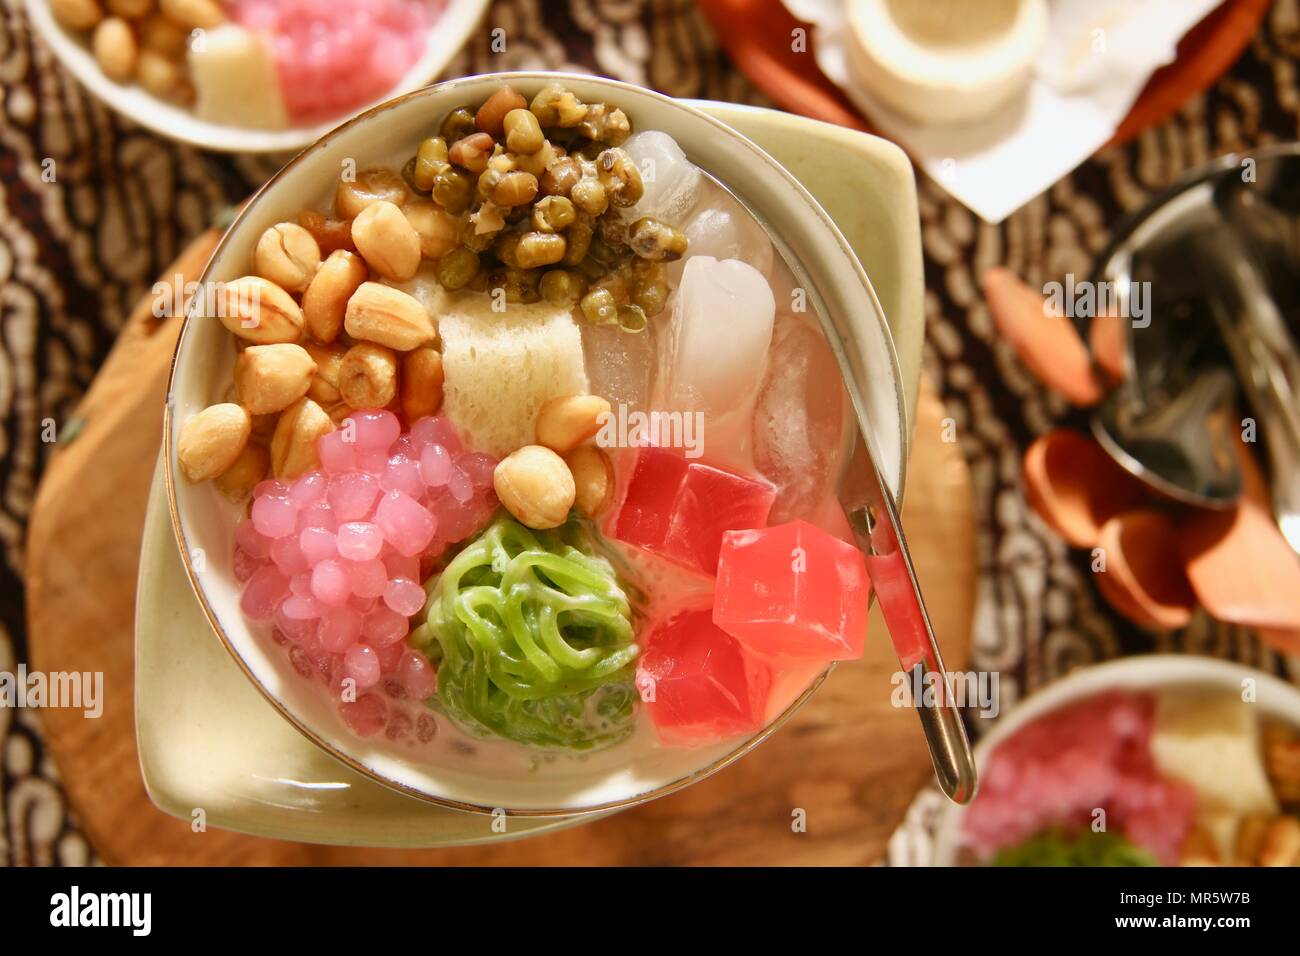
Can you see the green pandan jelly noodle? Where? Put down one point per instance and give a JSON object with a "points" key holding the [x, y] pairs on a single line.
{"points": [[533, 639]]}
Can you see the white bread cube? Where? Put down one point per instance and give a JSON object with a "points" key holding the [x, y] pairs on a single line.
{"points": [[235, 79], [500, 368]]}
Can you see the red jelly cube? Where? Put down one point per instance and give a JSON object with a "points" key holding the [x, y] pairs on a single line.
{"points": [[698, 683], [793, 592], [680, 509]]}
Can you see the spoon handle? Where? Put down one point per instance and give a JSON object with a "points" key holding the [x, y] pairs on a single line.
{"points": [[880, 535]]}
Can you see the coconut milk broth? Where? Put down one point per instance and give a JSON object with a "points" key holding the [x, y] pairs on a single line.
{"points": [[667, 588]]}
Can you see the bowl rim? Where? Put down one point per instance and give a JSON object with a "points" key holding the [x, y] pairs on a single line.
{"points": [[457, 19], [1147, 673], [168, 451]]}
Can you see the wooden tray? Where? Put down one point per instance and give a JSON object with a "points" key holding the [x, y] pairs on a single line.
{"points": [[756, 34], [848, 759]]}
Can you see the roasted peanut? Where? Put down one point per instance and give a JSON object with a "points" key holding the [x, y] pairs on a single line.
{"points": [[77, 14], [270, 378], [387, 241], [195, 14], [293, 446], [260, 311], [368, 375], [593, 479], [263, 429], [115, 49], [288, 255], [238, 481], [162, 76], [326, 299], [565, 422], [330, 234], [352, 196], [130, 9], [163, 37], [324, 387], [536, 486], [211, 441], [439, 230], [380, 313], [491, 116], [421, 383]]}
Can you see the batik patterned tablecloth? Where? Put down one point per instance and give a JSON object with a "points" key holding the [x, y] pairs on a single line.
{"points": [[93, 208]]}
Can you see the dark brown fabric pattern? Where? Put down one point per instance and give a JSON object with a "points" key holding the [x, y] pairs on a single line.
{"points": [[92, 208]]}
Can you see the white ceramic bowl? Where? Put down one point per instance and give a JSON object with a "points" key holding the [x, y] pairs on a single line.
{"points": [[1150, 672], [204, 522], [446, 36]]}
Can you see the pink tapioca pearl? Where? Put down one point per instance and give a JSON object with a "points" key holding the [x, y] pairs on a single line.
{"points": [[337, 454], [417, 675], [461, 488], [271, 488], [402, 474], [310, 487], [404, 596], [300, 584], [245, 564], [362, 665], [288, 556], [352, 494], [330, 584], [372, 460], [389, 655], [407, 525], [367, 578], [299, 608], [339, 629], [363, 605], [374, 429], [399, 725], [318, 514], [402, 566], [296, 629], [366, 715], [252, 541], [478, 468], [435, 465], [317, 544], [436, 430], [359, 540], [274, 516], [263, 593], [384, 627]]}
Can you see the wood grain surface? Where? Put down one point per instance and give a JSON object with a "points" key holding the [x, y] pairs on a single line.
{"points": [[849, 760]]}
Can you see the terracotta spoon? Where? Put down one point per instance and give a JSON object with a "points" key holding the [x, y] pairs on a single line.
{"points": [[1144, 578], [1044, 339], [1075, 487]]}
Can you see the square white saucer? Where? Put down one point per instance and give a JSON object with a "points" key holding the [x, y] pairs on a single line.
{"points": [[208, 739]]}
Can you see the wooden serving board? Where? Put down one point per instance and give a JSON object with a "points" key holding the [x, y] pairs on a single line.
{"points": [[849, 760]]}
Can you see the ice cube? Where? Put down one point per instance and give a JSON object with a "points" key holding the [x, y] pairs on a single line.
{"points": [[620, 367], [799, 418], [671, 181], [722, 228], [718, 338]]}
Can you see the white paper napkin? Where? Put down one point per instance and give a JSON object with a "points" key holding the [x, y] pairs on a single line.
{"points": [[1084, 85]]}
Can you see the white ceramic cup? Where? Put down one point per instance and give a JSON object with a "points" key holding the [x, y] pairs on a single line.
{"points": [[204, 522]]}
